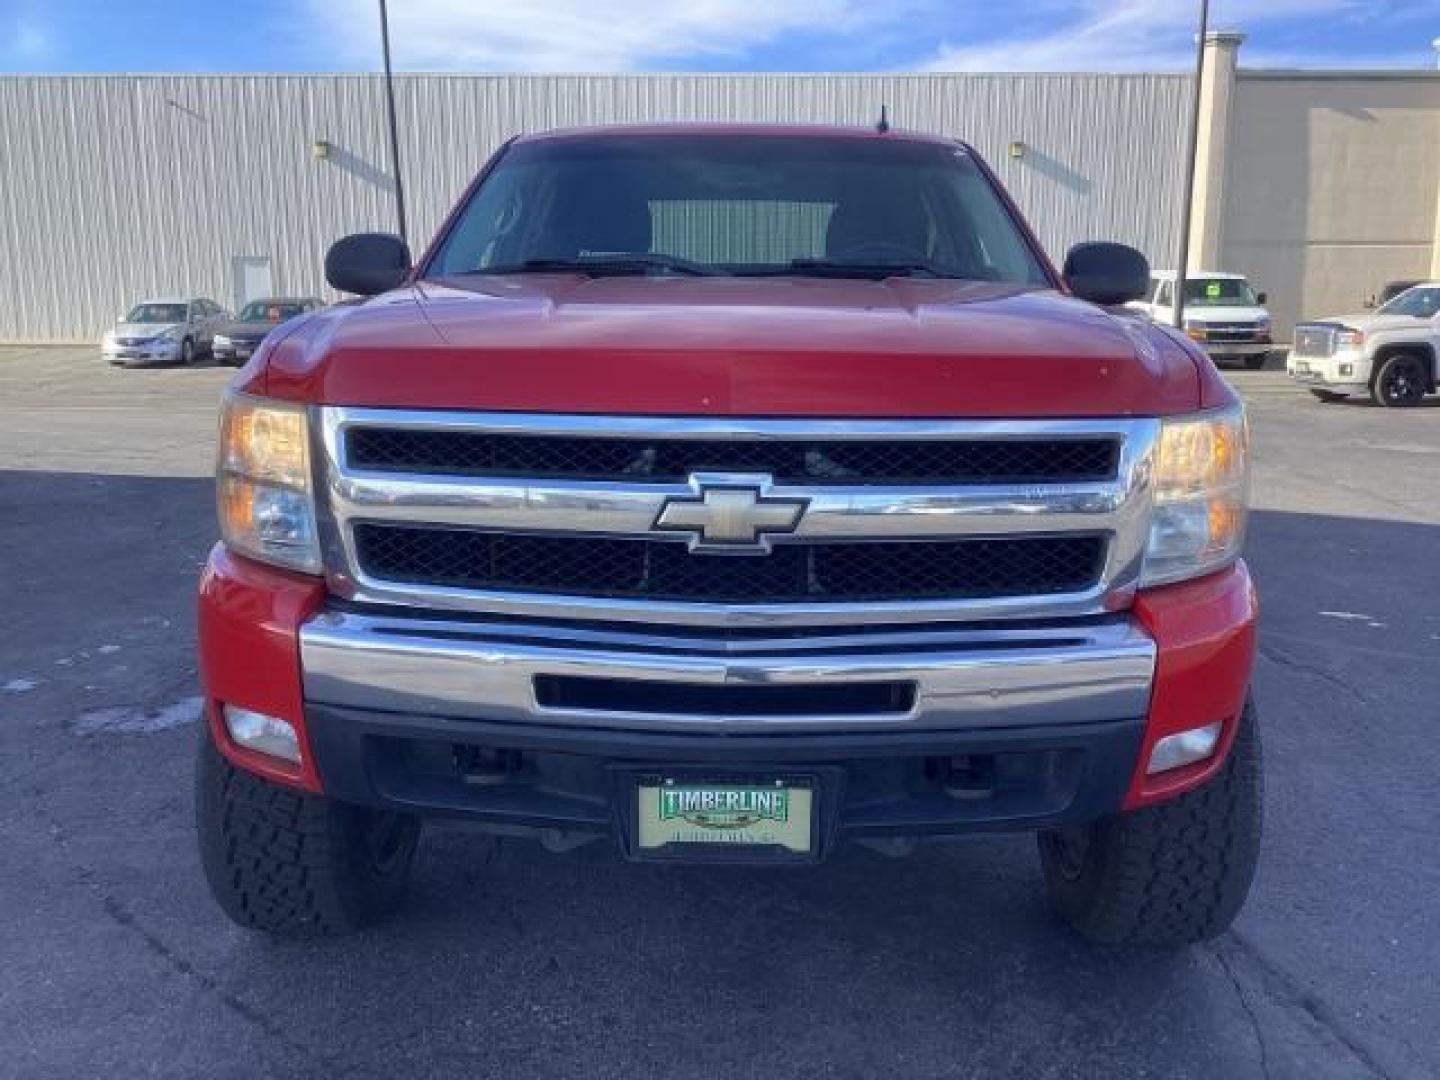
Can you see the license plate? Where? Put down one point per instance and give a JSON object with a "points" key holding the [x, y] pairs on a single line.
{"points": [[776, 814]]}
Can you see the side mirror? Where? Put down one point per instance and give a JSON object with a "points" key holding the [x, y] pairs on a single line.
{"points": [[1106, 273], [1262, 298], [367, 263]]}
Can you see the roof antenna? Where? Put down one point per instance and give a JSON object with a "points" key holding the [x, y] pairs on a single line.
{"points": [[883, 125]]}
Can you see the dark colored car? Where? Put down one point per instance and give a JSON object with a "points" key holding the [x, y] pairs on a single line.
{"points": [[235, 341]]}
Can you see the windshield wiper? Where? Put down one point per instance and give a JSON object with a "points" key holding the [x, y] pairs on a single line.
{"points": [[845, 268], [638, 262]]}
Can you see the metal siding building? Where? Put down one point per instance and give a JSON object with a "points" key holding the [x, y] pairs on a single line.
{"points": [[113, 188]]}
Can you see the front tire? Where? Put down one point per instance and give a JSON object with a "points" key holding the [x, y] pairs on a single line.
{"points": [[1401, 382], [292, 864], [1168, 875]]}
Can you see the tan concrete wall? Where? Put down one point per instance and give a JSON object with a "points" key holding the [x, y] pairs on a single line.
{"points": [[1212, 142], [1333, 187]]}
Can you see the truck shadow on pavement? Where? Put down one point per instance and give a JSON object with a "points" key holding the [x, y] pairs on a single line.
{"points": [[510, 961]]}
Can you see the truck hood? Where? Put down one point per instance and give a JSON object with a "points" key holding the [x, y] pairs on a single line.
{"points": [[1372, 323], [732, 346]]}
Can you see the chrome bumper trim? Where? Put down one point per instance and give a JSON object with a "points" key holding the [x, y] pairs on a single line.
{"points": [[964, 678]]}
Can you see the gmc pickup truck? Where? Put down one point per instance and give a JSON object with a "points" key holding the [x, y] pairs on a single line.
{"points": [[729, 494], [1389, 354]]}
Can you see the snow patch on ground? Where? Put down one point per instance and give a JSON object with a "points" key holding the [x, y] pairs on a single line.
{"points": [[132, 720]]}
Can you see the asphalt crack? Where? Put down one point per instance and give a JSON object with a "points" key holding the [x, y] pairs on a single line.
{"points": [[1278, 986], [312, 1063], [122, 915], [1244, 1000], [1290, 663]]}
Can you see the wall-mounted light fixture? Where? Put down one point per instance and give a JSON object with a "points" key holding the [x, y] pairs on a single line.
{"points": [[320, 149], [1017, 149]]}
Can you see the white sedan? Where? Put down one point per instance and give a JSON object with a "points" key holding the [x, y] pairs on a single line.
{"points": [[163, 331]]}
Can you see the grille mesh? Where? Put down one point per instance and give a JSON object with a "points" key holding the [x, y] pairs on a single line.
{"points": [[1314, 341], [973, 461], [636, 568]]}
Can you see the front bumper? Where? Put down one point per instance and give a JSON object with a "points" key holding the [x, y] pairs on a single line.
{"points": [[139, 355], [905, 731], [234, 351], [1347, 371], [729, 683], [1230, 350]]}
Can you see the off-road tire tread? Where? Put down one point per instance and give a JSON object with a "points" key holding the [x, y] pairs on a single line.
{"points": [[284, 862], [1175, 873]]}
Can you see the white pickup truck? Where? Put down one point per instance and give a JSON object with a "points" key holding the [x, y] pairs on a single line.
{"points": [[1388, 353], [1222, 313]]}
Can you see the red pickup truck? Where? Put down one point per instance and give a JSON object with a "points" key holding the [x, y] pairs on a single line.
{"points": [[728, 494]]}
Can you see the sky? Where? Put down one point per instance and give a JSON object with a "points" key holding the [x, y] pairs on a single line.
{"points": [[40, 36]]}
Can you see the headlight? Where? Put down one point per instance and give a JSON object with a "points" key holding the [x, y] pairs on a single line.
{"points": [[1201, 486], [222, 341], [267, 510], [1350, 337], [1195, 330]]}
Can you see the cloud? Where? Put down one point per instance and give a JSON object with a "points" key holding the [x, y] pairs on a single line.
{"points": [[577, 35], [1128, 35], [896, 35]]}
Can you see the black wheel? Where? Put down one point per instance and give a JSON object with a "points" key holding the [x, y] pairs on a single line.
{"points": [[1402, 381], [1256, 362], [187, 352], [292, 864], [1327, 396], [1168, 875]]}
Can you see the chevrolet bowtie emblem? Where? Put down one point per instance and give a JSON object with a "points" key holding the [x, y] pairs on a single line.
{"points": [[730, 514]]}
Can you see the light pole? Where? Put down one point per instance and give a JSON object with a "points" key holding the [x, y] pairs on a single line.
{"points": [[394, 134], [1181, 263]]}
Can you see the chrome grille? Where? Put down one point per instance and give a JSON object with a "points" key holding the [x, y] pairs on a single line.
{"points": [[1226, 332], [978, 461], [905, 521], [1314, 341]]}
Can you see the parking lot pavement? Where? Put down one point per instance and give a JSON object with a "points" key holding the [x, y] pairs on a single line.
{"points": [[514, 962]]}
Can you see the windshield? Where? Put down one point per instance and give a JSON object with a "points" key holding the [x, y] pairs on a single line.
{"points": [[156, 313], [1417, 303], [263, 311], [728, 204], [1219, 292]]}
